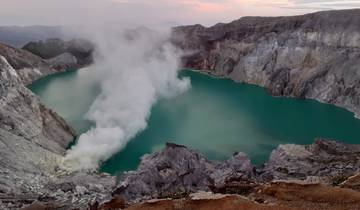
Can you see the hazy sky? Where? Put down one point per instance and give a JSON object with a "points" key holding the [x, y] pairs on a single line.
{"points": [[74, 12]]}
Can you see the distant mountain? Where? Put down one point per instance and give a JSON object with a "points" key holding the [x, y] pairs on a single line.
{"points": [[18, 36], [61, 54]]}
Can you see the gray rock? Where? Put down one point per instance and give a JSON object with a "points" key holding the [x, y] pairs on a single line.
{"points": [[80, 190], [177, 170], [236, 170], [28, 66], [330, 160], [32, 137], [312, 56], [33, 140], [63, 61]]}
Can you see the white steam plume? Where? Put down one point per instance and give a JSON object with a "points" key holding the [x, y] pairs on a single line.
{"points": [[135, 69]]}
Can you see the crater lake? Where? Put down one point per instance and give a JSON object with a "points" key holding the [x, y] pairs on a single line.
{"points": [[215, 116]]}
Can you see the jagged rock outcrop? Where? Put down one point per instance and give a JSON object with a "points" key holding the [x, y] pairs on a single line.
{"points": [[313, 56], [177, 170], [33, 140], [63, 54], [330, 161], [235, 175]]}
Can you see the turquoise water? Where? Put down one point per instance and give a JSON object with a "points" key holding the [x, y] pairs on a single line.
{"points": [[216, 116]]}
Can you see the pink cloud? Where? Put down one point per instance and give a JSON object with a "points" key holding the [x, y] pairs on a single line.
{"points": [[204, 6], [27, 12]]}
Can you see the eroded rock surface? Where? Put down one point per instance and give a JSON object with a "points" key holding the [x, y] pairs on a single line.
{"points": [[332, 161], [177, 170], [313, 56], [33, 140]]}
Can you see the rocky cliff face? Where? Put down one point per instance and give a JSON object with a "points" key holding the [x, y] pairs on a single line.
{"points": [[28, 66], [33, 140], [313, 56]]}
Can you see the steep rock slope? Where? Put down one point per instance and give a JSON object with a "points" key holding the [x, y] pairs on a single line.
{"points": [[33, 140], [28, 66], [32, 136], [313, 56]]}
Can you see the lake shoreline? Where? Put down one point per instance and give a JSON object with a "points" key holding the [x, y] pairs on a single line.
{"points": [[231, 100]]}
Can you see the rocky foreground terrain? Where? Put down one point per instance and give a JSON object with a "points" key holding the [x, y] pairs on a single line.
{"points": [[324, 175], [310, 56], [314, 56]]}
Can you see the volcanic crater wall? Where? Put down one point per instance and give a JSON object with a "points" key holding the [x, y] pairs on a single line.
{"points": [[314, 56]]}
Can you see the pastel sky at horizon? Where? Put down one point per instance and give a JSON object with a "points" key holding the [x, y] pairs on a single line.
{"points": [[171, 12]]}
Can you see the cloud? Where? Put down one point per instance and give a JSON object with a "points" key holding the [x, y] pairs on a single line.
{"points": [[323, 4], [60, 12]]}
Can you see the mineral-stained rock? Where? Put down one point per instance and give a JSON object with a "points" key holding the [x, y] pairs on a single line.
{"points": [[352, 182], [309, 56], [206, 201], [276, 196], [310, 196], [333, 161]]}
